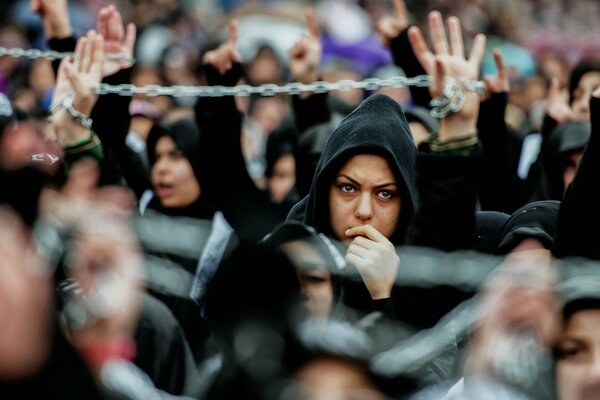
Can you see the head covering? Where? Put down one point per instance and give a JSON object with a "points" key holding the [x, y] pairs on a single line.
{"points": [[571, 136], [186, 135], [534, 220], [578, 72], [488, 230], [580, 292], [280, 142], [377, 126]]}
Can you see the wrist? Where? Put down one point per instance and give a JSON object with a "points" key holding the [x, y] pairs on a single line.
{"points": [[97, 351], [58, 29], [454, 127], [67, 130]]}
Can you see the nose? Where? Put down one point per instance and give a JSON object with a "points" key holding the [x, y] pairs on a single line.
{"points": [[160, 166], [364, 208]]}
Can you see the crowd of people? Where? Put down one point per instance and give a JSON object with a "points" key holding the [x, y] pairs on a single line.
{"points": [[432, 241]]}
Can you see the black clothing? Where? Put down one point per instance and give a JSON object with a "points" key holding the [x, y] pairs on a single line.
{"points": [[377, 126], [579, 219], [534, 220]]}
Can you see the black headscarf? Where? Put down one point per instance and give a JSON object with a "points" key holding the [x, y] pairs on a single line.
{"points": [[377, 126], [186, 135], [534, 220]]}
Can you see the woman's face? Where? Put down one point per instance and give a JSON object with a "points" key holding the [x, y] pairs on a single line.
{"points": [[364, 191], [578, 357], [581, 96], [315, 278], [173, 178]]}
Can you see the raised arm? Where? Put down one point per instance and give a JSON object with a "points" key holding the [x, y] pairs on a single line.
{"points": [[393, 30], [449, 163]]}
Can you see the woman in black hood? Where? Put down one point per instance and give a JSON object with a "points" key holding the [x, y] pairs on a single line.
{"points": [[379, 128], [173, 152]]}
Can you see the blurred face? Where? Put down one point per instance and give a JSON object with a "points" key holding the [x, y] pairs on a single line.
{"points": [[330, 379], [578, 357], [315, 279], [572, 167], [363, 192], [173, 178], [283, 178], [581, 96]]}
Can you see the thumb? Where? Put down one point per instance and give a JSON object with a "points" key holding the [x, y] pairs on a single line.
{"points": [[554, 91]]}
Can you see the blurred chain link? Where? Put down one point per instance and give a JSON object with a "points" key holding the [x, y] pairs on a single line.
{"points": [[268, 89]]}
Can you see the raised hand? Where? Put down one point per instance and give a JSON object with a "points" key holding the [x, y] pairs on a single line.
{"points": [[557, 105], [55, 17], [117, 39], [375, 258], [78, 74], [224, 56], [390, 27], [501, 82], [448, 60], [305, 55]]}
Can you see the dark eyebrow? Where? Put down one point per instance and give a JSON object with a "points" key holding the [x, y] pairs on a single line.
{"points": [[358, 184], [350, 179]]}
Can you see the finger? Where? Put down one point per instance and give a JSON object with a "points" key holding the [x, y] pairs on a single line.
{"points": [[232, 33], [130, 37], [74, 80], [358, 251], [554, 91], [456, 39], [399, 9], [439, 75], [500, 65], [115, 26], [363, 242], [422, 52], [311, 22], [97, 58], [367, 231], [438, 35], [355, 260], [88, 52], [477, 50], [102, 24], [77, 59]]}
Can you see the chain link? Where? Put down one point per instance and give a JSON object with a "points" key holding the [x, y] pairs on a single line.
{"points": [[34, 54], [451, 101]]}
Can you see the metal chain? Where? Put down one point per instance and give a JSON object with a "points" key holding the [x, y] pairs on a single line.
{"points": [[34, 54], [270, 89], [451, 100]]}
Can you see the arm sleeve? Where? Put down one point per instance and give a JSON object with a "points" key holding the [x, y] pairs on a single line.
{"points": [[448, 183], [578, 232], [405, 58]]}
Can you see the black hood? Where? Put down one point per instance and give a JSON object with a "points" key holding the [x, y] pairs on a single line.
{"points": [[578, 72], [534, 220], [377, 126], [186, 135]]}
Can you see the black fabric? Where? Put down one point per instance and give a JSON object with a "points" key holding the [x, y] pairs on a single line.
{"points": [[162, 350], [228, 185], [536, 220], [377, 126], [405, 58], [579, 217], [500, 189], [488, 230], [448, 184]]}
